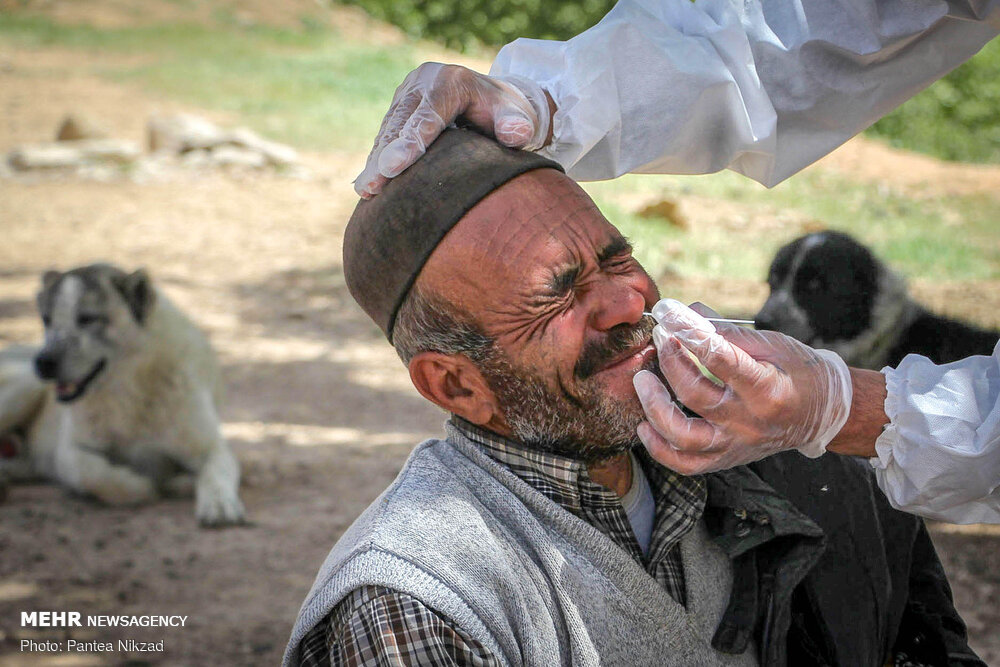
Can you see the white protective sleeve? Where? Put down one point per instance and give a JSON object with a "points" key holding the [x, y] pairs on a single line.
{"points": [[939, 456], [762, 88]]}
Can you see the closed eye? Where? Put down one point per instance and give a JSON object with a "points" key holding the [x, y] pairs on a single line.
{"points": [[562, 283], [619, 262], [615, 256]]}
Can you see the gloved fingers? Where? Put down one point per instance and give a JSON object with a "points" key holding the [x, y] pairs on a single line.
{"points": [[522, 115], [690, 385], [515, 110], [422, 128], [501, 107], [725, 360], [513, 129], [419, 91], [667, 418], [368, 186], [703, 310], [683, 462], [767, 347], [370, 182], [712, 347]]}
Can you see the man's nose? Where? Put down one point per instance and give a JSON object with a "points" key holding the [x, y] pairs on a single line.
{"points": [[617, 303]]}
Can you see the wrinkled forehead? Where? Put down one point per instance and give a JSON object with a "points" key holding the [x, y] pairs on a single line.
{"points": [[520, 233]]}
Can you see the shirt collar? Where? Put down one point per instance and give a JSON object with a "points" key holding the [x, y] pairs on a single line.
{"points": [[567, 482], [554, 476]]}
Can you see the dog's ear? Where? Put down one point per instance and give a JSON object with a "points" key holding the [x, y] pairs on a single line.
{"points": [[138, 293], [49, 279]]}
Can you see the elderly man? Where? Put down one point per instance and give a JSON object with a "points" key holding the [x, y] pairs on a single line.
{"points": [[538, 532]]}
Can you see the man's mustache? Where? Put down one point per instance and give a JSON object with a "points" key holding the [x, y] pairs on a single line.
{"points": [[619, 339]]}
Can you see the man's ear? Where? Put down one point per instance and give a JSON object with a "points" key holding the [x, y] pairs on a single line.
{"points": [[452, 382]]}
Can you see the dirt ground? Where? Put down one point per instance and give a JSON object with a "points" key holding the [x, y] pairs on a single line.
{"points": [[319, 409]]}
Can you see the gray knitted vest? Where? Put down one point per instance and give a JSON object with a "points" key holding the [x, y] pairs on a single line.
{"points": [[530, 581]]}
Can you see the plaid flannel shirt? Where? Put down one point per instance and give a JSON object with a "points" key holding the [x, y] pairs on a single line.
{"points": [[378, 627]]}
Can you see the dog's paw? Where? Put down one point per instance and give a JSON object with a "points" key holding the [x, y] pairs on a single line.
{"points": [[219, 508]]}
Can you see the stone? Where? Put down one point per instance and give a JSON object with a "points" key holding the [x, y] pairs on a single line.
{"points": [[276, 153], [182, 132], [235, 156], [72, 154], [45, 156], [78, 126], [108, 150], [201, 157]]}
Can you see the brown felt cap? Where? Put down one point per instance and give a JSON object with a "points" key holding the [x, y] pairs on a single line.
{"points": [[391, 236]]}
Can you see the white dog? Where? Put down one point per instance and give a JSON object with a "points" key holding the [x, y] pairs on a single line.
{"points": [[126, 398]]}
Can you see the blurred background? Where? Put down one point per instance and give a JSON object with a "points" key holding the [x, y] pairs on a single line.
{"points": [[319, 409]]}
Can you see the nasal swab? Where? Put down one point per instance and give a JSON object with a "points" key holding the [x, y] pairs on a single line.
{"points": [[718, 320]]}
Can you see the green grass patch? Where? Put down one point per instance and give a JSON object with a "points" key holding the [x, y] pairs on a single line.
{"points": [[33, 31], [319, 89], [311, 87], [945, 238], [956, 118], [332, 97]]}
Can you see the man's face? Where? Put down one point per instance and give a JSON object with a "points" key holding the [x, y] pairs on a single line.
{"points": [[556, 286]]}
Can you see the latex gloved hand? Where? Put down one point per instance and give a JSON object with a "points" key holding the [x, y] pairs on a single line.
{"points": [[512, 109], [777, 394]]}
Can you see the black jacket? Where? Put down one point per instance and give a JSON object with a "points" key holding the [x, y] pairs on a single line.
{"points": [[826, 572]]}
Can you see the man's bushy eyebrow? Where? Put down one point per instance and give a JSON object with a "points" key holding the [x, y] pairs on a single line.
{"points": [[618, 246], [564, 280]]}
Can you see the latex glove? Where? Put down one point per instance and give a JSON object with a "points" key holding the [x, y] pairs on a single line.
{"points": [[777, 394], [512, 109]]}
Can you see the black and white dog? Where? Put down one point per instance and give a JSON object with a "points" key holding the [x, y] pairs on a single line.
{"points": [[829, 291]]}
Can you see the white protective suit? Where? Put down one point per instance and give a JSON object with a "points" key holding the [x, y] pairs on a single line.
{"points": [[939, 456], [765, 89]]}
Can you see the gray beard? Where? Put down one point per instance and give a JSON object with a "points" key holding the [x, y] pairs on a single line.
{"points": [[590, 427]]}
